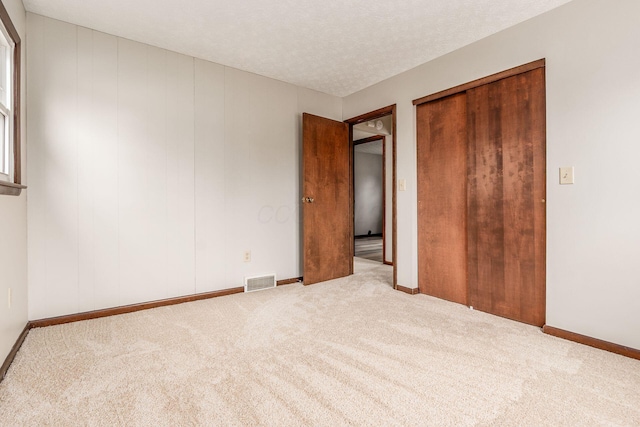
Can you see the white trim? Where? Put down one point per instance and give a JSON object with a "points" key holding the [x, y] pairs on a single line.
{"points": [[7, 169]]}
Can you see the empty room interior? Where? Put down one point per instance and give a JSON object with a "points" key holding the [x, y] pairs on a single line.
{"points": [[319, 213]]}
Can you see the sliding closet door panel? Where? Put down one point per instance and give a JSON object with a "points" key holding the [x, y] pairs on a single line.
{"points": [[442, 198], [506, 187], [485, 214]]}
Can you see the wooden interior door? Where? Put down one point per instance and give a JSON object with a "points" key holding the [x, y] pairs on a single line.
{"points": [[326, 201], [442, 198], [506, 191]]}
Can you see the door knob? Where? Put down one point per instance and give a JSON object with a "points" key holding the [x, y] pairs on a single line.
{"points": [[307, 200]]}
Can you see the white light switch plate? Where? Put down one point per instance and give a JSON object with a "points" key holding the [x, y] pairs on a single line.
{"points": [[402, 185], [566, 175]]}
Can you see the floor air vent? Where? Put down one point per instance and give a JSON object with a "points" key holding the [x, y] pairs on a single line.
{"points": [[259, 283]]}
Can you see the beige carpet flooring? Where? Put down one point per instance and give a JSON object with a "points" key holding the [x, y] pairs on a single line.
{"points": [[346, 352]]}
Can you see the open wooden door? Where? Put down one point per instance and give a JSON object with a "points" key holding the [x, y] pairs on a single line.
{"points": [[326, 200]]}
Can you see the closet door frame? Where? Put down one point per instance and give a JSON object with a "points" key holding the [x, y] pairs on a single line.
{"points": [[481, 82]]}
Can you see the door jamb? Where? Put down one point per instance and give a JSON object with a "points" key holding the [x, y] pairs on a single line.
{"points": [[381, 112]]}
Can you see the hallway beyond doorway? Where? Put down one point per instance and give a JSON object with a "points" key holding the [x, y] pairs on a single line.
{"points": [[369, 247]]}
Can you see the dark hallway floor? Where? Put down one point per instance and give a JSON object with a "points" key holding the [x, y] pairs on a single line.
{"points": [[369, 248]]}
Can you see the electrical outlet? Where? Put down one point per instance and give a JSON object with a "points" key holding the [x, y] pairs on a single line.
{"points": [[9, 298], [247, 256]]}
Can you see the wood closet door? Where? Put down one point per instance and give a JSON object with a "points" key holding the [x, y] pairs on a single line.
{"points": [[442, 198], [506, 192]]}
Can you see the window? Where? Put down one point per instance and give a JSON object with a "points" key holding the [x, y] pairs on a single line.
{"points": [[6, 47], [9, 106]]}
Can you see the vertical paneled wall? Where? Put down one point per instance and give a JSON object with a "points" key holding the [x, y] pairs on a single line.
{"points": [[151, 172], [209, 183]]}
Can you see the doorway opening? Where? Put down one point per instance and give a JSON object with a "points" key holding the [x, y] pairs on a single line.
{"points": [[369, 182], [373, 165]]}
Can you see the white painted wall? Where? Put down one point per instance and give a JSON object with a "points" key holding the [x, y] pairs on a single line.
{"points": [[13, 228], [367, 185], [152, 172], [593, 93]]}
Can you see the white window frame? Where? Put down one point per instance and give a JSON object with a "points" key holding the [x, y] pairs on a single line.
{"points": [[10, 179], [6, 110]]}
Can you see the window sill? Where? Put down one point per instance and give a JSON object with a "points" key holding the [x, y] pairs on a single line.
{"points": [[10, 189]]}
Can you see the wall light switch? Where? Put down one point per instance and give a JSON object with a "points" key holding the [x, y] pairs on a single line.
{"points": [[402, 185], [566, 175]]}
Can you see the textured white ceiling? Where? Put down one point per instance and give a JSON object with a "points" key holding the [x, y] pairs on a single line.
{"points": [[333, 46]]}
